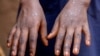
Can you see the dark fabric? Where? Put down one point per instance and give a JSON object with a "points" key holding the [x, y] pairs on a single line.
{"points": [[52, 9]]}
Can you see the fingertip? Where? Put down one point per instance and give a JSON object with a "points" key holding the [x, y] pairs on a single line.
{"points": [[57, 52], [13, 53], [8, 45], [76, 51], [51, 35], [66, 54], [31, 54], [46, 43], [88, 43]]}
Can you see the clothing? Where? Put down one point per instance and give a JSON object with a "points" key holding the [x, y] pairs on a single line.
{"points": [[51, 9]]}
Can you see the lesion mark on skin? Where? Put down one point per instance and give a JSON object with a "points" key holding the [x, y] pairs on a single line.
{"points": [[78, 36], [32, 39], [32, 42], [77, 45], [67, 45], [60, 37], [69, 37]]}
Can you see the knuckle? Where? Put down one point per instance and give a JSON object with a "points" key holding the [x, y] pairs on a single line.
{"points": [[62, 25], [15, 36], [59, 37], [68, 37], [21, 40], [32, 40], [78, 35]]}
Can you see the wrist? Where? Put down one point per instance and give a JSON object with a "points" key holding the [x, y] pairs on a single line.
{"points": [[28, 3], [84, 3]]}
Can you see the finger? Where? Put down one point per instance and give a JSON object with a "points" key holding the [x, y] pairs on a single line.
{"points": [[87, 34], [59, 41], [44, 32], [55, 29], [15, 42], [33, 41], [77, 40], [68, 41], [23, 41], [9, 40]]}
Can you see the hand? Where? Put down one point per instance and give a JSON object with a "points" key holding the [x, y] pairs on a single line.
{"points": [[30, 20], [69, 24]]}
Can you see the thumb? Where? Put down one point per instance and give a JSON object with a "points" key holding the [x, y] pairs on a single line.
{"points": [[55, 29]]}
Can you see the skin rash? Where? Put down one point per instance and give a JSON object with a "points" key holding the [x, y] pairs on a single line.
{"points": [[69, 24], [72, 21]]}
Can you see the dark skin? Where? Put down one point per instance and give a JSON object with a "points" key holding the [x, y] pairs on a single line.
{"points": [[30, 19], [70, 23]]}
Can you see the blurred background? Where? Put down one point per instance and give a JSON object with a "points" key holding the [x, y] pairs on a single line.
{"points": [[8, 12]]}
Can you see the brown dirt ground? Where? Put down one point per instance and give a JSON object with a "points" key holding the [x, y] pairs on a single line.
{"points": [[8, 12]]}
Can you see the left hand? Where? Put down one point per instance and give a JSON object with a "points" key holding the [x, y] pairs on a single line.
{"points": [[69, 24]]}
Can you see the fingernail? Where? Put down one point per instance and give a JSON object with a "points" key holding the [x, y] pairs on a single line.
{"points": [[49, 35], [57, 52], [75, 51], [66, 54], [88, 42], [8, 44], [13, 53], [31, 54]]}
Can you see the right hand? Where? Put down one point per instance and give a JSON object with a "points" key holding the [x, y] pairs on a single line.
{"points": [[30, 20]]}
